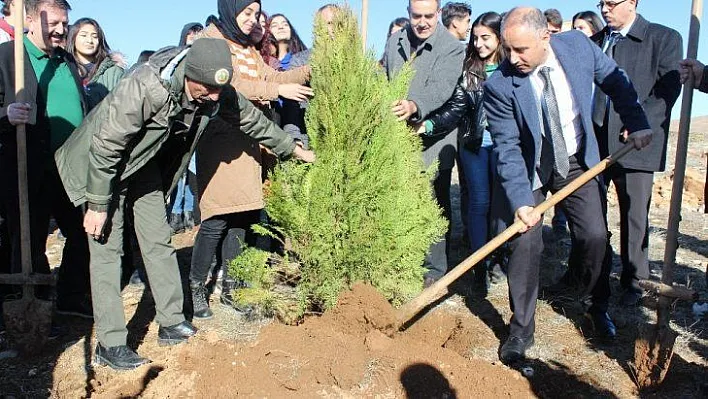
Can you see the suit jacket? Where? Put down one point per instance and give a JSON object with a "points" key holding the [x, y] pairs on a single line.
{"points": [[38, 134], [650, 55], [513, 111]]}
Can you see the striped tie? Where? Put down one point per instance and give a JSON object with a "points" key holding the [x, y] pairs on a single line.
{"points": [[552, 124]]}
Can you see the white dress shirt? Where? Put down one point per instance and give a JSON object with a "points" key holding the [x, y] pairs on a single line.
{"points": [[567, 106]]}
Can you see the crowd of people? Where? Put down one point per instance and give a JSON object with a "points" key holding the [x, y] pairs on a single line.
{"points": [[123, 158]]}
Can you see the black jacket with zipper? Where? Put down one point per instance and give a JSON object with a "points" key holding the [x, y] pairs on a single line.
{"points": [[463, 111]]}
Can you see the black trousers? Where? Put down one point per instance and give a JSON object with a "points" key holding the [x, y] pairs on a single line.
{"points": [[227, 232], [48, 198], [436, 260], [634, 189], [585, 210]]}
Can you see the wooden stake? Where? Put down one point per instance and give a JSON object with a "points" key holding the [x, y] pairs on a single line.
{"points": [[364, 22], [25, 236], [679, 170], [669, 291], [654, 347]]}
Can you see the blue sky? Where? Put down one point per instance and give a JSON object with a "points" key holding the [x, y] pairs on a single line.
{"points": [[134, 25]]}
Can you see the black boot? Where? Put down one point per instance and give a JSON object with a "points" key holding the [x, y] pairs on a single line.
{"points": [[176, 223], [228, 284], [119, 357], [200, 303], [176, 334]]}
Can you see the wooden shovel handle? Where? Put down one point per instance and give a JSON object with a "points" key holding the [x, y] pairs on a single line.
{"points": [[435, 291], [25, 236]]}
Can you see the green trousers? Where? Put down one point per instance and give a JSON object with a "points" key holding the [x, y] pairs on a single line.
{"points": [[143, 193]]}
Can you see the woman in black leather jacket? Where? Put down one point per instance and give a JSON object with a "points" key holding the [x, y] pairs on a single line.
{"points": [[465, 111]]}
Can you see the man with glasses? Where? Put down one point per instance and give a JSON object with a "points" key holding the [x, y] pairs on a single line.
{"points": [[650, 54]]}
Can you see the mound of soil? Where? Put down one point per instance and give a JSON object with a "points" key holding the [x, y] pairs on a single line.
{"points": [[343, 353]]}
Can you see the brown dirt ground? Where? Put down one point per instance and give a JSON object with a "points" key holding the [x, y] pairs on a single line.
{"points": [[450, 352]]}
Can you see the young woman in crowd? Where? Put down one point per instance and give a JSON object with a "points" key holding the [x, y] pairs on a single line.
{"points": [[588, 22], [285, 39], [98, 66], [231, 197], [261, 37], [287, 44], [465, 111]]}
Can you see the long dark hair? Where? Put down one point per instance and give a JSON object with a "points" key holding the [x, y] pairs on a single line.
{"points": [[295, 45], [591, 18], [264, 46], [474, 66], [103, 51]]}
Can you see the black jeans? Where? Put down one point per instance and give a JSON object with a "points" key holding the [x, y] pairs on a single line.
{"points": [[585, 209], [230, 232], [436, 260], [48, 198]]}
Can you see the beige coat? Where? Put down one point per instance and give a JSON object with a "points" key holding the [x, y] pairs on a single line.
{"points": [[229, 165]]}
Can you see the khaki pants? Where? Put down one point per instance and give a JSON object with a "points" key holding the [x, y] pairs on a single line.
{"points": [[144, 194]]}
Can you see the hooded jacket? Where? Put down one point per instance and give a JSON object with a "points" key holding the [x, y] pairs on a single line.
{"points": [[137, 123], [188, 27]]}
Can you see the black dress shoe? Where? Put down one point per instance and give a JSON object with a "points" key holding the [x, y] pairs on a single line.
{"points": [[176, 334], [602, 324], [514, 349], [118, 357]]}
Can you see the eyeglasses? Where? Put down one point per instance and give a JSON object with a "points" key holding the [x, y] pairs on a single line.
{"points": [[610, 4]]}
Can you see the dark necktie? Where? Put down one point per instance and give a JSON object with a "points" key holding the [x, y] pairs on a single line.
{"points": [[601, 103], [552, 124]]}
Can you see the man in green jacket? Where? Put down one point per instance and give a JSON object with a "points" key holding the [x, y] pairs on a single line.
{"points": [[130, 152]]}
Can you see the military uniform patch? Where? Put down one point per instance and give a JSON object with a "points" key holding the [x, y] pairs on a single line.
{"points": [[221, 76]]}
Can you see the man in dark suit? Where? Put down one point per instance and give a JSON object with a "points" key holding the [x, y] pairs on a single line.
{"points": [[539, 112], [437, 59], [650, 54]]}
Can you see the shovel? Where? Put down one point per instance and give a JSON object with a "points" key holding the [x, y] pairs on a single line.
{"points": [[438, 289], [27, 320], [654, 348]]}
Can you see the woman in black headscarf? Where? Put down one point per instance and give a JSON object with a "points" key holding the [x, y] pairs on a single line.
{"points": [[229, 165]]}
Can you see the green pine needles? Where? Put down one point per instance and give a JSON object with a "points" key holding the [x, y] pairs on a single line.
{"points": [[364, 211]]}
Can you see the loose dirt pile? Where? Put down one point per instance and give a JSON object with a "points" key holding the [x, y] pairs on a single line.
{"points": [[341, 354]]}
